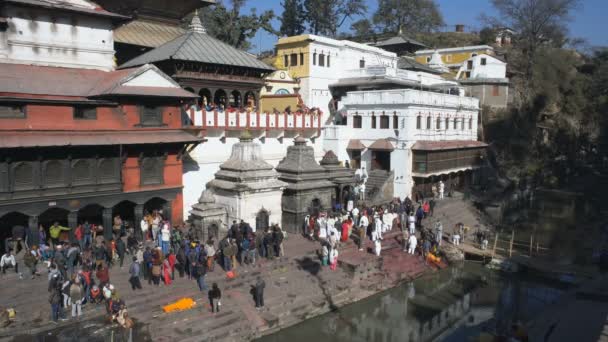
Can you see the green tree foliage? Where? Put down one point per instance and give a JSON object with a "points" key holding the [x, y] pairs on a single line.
{"points": [[232, 27], [327, 16], [408, 15], [362, 29], [293, 18]]}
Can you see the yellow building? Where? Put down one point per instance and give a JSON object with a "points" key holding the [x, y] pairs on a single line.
{"points": [[293, 54], [279, 92], [454, 57]]}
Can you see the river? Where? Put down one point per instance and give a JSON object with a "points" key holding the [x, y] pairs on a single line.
{"points": [[455, 304]]}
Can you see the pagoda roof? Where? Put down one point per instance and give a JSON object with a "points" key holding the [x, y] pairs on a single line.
{"points": [[197, 46], [147, 33], [397, 40]]}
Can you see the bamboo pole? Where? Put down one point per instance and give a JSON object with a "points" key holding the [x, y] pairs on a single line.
{"points": [[511, 245]]}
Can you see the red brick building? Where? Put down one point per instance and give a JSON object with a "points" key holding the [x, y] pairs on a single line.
{"points": [[87, 144]]}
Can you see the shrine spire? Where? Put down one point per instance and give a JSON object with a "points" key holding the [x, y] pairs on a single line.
{"points": [[196, 25]]}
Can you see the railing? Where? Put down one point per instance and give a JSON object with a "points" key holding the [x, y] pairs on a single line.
{"points": [[407, 75], [409, 96], [254, 120]]}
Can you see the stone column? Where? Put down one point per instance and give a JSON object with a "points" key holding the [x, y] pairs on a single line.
{"points": [[34, 237], [72, 223], [106, 216], [139, 215]]}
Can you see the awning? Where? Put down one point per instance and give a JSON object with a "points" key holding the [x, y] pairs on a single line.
{"points": [[382, 145], [29, 139], [447, 145], [355, 145]]}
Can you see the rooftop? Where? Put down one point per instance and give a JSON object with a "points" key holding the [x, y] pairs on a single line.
{"points": [[77, 6], [456, 49], [333, 42], [197, 46], [147, 33]]}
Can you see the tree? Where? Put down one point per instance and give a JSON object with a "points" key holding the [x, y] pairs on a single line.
{"points": [[327, 16], [292, 19], [408, 15], [537, 23], [362, 28], [229, 26]]}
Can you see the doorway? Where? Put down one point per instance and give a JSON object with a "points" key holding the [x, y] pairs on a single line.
{"points": [[381, 160]]}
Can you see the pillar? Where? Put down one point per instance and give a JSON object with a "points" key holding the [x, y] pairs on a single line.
{"points": [[167, 211], [138, 215], [106, 217], [34, 237], [72, 223]]}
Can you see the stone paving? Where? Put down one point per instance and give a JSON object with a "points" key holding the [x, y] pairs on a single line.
{"points": [[297, 288]]}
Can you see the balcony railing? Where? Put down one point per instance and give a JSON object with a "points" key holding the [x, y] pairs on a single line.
{"points": [[408, 97], [253, 120]]}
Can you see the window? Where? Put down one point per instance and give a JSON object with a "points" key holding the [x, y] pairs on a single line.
{"points": [[301, 58], [328, 65], [428, 122], [467, 74], [469, 65], [473, 55], [362, 63], [53, 172], [12, 112], [294, 59], [418, 122], [373, 121], [384, 122], [357, 121], [107, 169], [455, 123], [314, 58], [471, 123], [286, 60], [462, 124], [85, 113], [151, 116], [151, 171], [495, 90], [483, 61], [438, 123], [23, 176], [81, 170], [447, 124], [448, 58], [321, 60], [395, 121], [428, 59]]}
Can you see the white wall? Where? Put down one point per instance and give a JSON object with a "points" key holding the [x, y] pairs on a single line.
{"points": [[494, 68], [41, 37]]}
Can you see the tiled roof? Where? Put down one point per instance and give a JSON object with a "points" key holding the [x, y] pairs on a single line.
{"points": [[199, 47], [74, 82], [80, 6], [355, 145], [25, 139], [423, 145], [147, 33], [399, 40], [381, 145]]}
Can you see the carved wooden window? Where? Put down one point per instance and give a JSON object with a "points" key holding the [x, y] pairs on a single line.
{"points": [[81, 170], [12, 112], [53, 173], [151, 171], [23, 176], [85, 113], [151, 116], [107, 169]]}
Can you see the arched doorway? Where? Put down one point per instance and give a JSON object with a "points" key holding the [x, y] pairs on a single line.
{"points": [[157, 204], [91, 213], [205, 95], [52, 215], [235, 99], [219, 99], [126, 211], [262, 220], [7, 222]]}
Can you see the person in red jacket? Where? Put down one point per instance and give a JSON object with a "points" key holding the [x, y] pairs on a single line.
{"points": [[103, 275], [172, 261]]}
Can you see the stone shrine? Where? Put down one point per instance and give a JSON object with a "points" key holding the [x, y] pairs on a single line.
{"points": [[247, 186], [342, 177], [308, 190], [208, 217]]}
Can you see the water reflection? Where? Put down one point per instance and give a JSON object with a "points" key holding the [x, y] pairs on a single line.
{"points": [[450, 305]]}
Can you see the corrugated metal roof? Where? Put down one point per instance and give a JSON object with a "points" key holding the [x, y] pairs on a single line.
{"points": [[147, 33], [399, 40], [199, 47], [25, 139], [425, 145], [411, 64]]}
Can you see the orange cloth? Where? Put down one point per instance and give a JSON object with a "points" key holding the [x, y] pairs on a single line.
{"points": [[180, 305]]}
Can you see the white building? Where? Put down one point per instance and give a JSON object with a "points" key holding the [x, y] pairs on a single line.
{"points": [[41, 36], [485, 77], [482, 66]]}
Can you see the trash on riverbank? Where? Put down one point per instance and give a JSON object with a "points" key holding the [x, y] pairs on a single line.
{"points": [[180, 305]]}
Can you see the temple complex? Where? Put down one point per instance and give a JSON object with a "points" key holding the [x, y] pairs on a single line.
{"points": [[308, 189]]}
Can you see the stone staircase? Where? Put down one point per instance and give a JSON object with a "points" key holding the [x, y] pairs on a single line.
{"points": [[376, 188]]}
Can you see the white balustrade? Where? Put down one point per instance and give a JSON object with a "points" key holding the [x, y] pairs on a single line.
{"points": [[409, 96], [236, 120]]}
